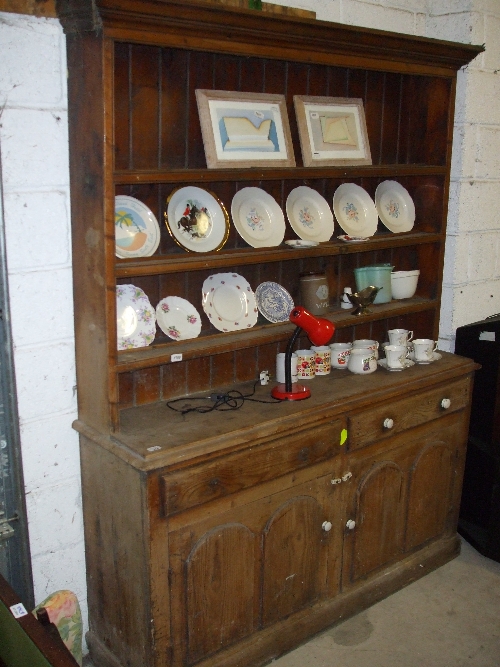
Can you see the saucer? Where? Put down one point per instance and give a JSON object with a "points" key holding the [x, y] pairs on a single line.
{"points": [[229, 302], [395, 207], [274, 302], [196, 219], [137, 232], [355, 210], [178, 318], [301, 243], [257, 217], [309, 214], [383, 364], [353, 239], [135, 318], [435, 357]]}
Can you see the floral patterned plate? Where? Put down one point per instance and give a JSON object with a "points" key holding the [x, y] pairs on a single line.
{"points": [[258, 218], [135, 318], [196, 219], [395, 206], [274, 302], [178, 318], [309, 214], [137, 232], [355, 210], [229, 302]]}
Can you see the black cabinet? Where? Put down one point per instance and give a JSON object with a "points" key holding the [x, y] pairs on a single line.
{"points": [[479, 520]]}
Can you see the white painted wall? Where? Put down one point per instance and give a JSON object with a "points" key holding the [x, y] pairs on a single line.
{"points": [[33, 145]]}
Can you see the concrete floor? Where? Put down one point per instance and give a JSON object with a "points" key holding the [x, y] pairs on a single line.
{"points": [[450, 618]]}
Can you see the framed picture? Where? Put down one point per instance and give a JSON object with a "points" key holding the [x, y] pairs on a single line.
{"points": [[244, 129], [332, 131]]}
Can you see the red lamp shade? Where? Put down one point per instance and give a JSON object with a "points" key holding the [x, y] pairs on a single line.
{"points": [[318, 329]]}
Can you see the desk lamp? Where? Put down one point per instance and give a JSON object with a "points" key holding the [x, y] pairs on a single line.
{"points": [[319, 331]]}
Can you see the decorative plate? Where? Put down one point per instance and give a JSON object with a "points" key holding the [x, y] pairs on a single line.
{"points": [[196, 219], [137, 232], [309, 214], [135, 318], [258, 218], [353, 239], [300, 243], [178, 318], [355, 210], [383, 363], [229, 302], [395, 206], [274, 302]]}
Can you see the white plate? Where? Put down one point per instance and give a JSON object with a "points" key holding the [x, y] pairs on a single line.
{"points": [[355, 210], [137, 232], [135, 318], [178, 318], [353, 239], [229, 302], [300, 243], [395, 206], [309, 214], [274, 302], [196, 219], [383, 364], [258, 218]]}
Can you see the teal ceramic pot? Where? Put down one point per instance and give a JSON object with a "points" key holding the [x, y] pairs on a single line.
{"points": [[378, 275]]}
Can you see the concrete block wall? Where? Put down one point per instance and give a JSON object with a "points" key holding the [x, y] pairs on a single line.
{"points": [[36, 199], [33, 148]]}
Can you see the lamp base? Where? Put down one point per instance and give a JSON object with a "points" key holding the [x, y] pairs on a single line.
{"points": [[298, 393]]}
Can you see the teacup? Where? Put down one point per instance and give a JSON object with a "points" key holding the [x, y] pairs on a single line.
{"points": [[362, 361], [400, 336], [305, 364], [396, 355], [322, 359], [365, 342], [340, 354], [423, 349]]}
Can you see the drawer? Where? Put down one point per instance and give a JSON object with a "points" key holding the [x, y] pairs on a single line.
{"points": [[395, 416], [189, 487]]}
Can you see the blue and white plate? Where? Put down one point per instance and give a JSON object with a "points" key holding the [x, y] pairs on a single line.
{"points": [[274, 302]]}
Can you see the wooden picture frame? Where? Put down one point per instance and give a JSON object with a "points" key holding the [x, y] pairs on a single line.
{"points": [[243, 130], [332, 131]]}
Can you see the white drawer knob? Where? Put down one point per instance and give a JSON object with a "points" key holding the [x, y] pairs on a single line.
{"points": [[327, 526], [445, 403], [337, 480], [351, 524], [347, 476], [388, 423]]}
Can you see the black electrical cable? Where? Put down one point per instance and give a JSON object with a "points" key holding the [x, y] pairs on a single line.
{"points": [[231, 400]]}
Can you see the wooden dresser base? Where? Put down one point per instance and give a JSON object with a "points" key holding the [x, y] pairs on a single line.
{"points": [[273, 642]]}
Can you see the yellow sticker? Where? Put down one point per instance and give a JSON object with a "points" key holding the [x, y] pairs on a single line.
{"points": [[343, 436]]}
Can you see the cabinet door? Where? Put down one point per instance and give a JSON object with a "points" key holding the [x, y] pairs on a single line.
{"points": [[248, 567], [435, 480], [373, 534], [406, 492]]}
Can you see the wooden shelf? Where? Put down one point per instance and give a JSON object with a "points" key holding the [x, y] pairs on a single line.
{"points": [[180, 176], [262, 334], [157, 265]]}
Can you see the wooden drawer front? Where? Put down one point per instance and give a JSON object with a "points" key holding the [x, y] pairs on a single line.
{"points": [[368, 426], [194, 486]]}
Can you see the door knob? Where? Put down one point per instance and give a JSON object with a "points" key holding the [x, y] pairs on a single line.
{"points": [[327, 526], [351, 524]]}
